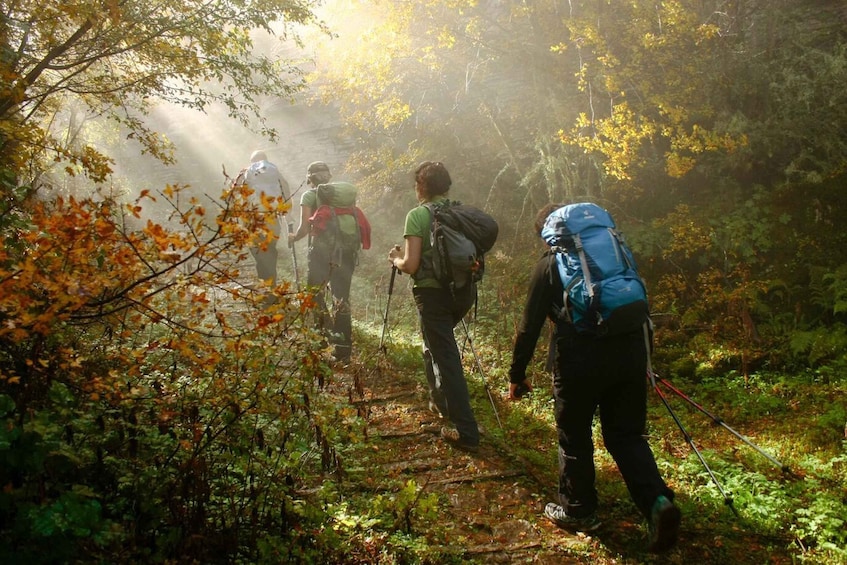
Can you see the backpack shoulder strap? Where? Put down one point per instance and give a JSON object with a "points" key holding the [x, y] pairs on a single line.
{"points": [[551, 259], [319, 196], [433, 208], [625, 251], [583, 261], [556, 254]]}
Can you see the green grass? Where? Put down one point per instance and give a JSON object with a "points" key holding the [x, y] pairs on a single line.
{"points": [[796, 516]]}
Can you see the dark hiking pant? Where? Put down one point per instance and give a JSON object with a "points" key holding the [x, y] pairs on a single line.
{"points": [[439, 313], [609, 374], [336, 270]]}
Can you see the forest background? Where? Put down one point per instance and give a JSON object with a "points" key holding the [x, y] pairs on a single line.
{"points": [[152, 411]]}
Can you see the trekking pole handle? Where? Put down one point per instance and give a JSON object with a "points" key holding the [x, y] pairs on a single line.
{"points": [[394, 272], [290, 232]]}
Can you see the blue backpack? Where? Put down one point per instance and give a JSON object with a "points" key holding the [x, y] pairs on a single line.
{"points": [[603, 293]]}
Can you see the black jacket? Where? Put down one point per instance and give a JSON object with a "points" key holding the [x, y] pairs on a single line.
{"points": [[545, 300]]}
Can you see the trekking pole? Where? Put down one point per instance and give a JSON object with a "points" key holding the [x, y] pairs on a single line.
{"points": [[651, 377], [293, 255], [289, 198], [481, 373], [720, 422], [727, 499], [387, 302]]}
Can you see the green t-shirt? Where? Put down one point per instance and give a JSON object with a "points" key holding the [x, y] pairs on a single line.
{"points": [[309, 199], [418, 224]]}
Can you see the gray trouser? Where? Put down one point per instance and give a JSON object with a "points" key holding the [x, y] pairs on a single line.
{"points": [[266, 260], [439, 313], [336, 270]]}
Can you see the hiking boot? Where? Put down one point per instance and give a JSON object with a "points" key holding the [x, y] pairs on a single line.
{"points": [[452, 437], [664, 524], [556, 514]]}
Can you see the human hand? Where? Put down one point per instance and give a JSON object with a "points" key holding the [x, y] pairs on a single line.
{"points": [[519, 390]]}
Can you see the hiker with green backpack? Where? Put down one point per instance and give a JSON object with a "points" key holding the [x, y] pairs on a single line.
{"points": [[588, 286], [440, 309], [337, 229]]}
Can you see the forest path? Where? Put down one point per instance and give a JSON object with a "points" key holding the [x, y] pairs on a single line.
{"points": [[496, 504], [494, 499]]}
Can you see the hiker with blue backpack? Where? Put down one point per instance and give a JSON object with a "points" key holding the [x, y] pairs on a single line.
{"points": [[440, 309], [337, 230], [588, 286]]}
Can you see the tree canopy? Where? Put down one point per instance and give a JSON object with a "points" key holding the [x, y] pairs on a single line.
{"points": [[702, 126], [117, 58]]}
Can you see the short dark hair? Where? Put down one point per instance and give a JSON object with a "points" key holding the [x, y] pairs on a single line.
{"points": [[543, 214], [434, 176]]}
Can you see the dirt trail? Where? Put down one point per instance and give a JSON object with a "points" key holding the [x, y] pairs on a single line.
{"points": [[495, 503]]}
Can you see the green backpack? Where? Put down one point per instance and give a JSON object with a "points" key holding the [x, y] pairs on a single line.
{"points": [[337, 217]]}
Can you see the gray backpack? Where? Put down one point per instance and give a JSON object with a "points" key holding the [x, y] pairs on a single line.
{"points": [[460, 236]]}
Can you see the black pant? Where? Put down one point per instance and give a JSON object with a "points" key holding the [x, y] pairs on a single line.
{"points": [[334, 268], [609, 373], [439, 312]]}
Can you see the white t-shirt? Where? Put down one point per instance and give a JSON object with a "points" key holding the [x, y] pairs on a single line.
{"points": [[263, 176]]}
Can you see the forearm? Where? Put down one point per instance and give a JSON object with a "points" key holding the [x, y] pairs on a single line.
{"points": [[523, 350], [302, 231], [534, 317], [408, 259], [404, 266], [304, 227]]}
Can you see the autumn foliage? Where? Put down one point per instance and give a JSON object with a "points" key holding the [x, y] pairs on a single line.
{"points": [[152, 404]]}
